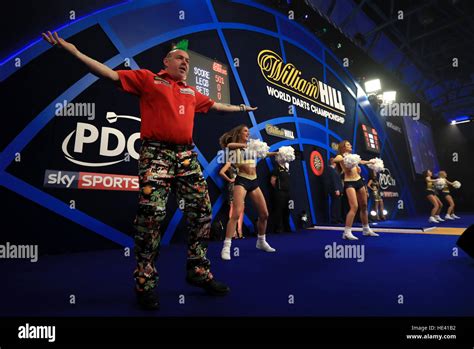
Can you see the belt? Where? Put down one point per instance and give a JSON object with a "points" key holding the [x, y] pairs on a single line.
{"points": [[169, 146], [247, 176]]}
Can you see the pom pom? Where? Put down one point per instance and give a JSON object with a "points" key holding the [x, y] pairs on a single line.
{"points": [[377, 166], [351, 160], [257, 147], [457, 184], [440, 183], [285, 154]]}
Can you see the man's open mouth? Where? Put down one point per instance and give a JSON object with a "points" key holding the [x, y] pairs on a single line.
{"points": [[182, 69]]}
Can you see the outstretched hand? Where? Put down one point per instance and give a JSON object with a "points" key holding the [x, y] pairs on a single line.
{"points": [[55, 40], [249, 108]]}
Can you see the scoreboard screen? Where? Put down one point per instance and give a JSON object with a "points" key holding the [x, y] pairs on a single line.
{"points": [[371, 138], [209, 77]]}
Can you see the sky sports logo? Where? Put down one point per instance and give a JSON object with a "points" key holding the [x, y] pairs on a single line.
{"points": [[89, 180]]}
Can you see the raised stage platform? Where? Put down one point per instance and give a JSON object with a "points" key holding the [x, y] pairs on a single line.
{"points": [[416, 225], [421, 267]]}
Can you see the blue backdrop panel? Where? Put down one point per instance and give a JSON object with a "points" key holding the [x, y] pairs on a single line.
{"points": [[123, 38]]}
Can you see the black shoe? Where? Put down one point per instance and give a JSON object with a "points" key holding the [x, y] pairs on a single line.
{"points": [[148, 300], [212, 287]]}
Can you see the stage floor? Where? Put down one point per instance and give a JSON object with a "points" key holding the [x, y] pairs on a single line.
{"points": [[415, 225], [421, 269]]}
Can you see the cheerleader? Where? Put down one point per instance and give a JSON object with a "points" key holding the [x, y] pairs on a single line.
{"points": [[229, 172], [355, 190], [245, 183], [445, 193], [431, 195]]}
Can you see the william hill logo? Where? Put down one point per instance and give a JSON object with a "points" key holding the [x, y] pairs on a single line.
{"points": [[288, 77]]}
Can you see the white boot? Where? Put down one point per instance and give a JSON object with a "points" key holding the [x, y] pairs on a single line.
{"points": [[438, 218], [366, 231], [454, 216], [263, 245], [432, 219], [448, 217], [347, 235], [225, 253]]}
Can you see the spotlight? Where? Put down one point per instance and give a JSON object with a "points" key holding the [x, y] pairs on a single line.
{"points": [[373, 213], [372, 86], [460, 120], [389, 96], [385, 212]]}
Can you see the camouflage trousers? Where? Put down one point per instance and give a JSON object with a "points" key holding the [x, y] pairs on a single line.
{"points": [[163, 167]]}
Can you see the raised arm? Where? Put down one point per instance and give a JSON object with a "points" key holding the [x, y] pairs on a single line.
{"points": [[231, 108], [95, 67], [366, 162]]}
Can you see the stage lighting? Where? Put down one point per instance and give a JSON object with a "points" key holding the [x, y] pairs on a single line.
{"points": [[385, 212], [303, 219], [460, 120], [389, 96], [373, 213], [372, 86]]}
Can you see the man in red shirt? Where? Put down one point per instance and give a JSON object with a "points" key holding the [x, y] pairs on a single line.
{"points": [[167, 108]]}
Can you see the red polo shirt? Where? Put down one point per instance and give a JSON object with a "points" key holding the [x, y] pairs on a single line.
{"points": [[167, 106]]}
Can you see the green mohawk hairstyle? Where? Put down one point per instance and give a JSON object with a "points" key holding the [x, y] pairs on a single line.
{"points": [[182, 45]]}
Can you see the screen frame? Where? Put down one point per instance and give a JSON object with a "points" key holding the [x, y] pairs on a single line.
{"points": [[212, 60]]}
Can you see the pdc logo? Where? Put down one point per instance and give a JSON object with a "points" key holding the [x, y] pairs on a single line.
{"points": [[114, 146], [386, 180]]}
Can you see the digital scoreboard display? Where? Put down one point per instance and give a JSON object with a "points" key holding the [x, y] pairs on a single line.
{"points": [[371, 139], [209, 77]]}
